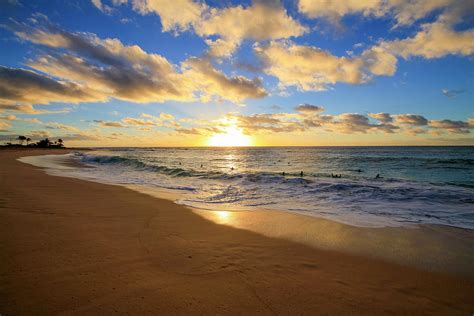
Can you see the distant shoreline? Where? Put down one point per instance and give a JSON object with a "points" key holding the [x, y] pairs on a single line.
{"points": [[279, 146]]}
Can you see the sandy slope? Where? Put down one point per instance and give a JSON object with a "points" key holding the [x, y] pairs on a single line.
{"points": [[68, 245]]}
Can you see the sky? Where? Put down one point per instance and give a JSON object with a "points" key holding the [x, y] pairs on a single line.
{"points": [[231, 73]]}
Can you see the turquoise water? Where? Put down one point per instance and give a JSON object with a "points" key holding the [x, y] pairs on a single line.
{"points": [[427, 185]]}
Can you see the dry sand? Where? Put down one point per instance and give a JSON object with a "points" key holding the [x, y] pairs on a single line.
{"points": [[72, 246]]}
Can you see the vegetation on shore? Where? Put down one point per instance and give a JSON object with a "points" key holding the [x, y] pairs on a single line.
{"points": [[43, 143]]}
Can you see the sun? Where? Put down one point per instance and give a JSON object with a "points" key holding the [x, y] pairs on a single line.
{"points": [[231, 137]]}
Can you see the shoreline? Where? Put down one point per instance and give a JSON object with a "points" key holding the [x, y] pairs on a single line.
{"points": [[100, 247], [431, 247]]}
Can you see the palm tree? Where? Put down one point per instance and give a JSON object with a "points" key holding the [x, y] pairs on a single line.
{"points": [[21, 138], [28, 140], [44, 143], [60, 142]]}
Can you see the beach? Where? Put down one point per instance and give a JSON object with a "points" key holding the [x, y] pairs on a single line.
{"points": [[74, 246]]}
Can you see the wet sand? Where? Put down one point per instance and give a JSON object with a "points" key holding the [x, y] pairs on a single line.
{"points": [[430, 247], [72, 246]]}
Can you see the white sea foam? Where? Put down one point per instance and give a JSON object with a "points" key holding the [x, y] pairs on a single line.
{"points": [[415, 188]]}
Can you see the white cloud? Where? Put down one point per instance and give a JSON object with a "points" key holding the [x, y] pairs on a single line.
{"points": [[102, 7], [313, 69], [435, 40], [203, 77], [260, 21], [175, 15], [402, 11], [263, 20]]}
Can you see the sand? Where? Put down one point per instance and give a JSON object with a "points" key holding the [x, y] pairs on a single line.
{"points": [[72, 246]]}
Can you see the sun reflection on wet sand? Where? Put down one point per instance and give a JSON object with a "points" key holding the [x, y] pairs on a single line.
{"points": [[223, 217], [398, 244]]}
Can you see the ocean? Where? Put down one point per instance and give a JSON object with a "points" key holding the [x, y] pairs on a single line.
{"points": [[416, 185]]}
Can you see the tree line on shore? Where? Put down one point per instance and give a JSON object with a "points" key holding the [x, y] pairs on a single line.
{"points": [[43, 143]]}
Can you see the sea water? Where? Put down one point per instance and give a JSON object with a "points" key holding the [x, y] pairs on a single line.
{"points": [[416, 185]]}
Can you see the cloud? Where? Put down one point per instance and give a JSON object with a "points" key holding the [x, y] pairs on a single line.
{"points": [[102, 7], [177, 15], [335, 10], [404, 12], [5, 121], [139, 122], [204, 77], [456, 127], [350, 123], [94, 69], [379, 61], [81, 137], [8, 118], [411, 119], [435, 40], [310, 117], [313, 69], [188, 131], [274, 123], [382, 117], [27, 109], [31, 120], [347, 123], [307, 68], [451, 93], [415, 131], [61, 126], [110, 124], [166, 117], [310, 68], [309, 108], [264, 20], [144, 122], [21, 88]]}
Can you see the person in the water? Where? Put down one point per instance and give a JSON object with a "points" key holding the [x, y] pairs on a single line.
{"points": [[301, 173]]}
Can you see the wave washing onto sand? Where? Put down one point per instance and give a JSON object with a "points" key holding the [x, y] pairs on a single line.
{"points": [[414, 187]]}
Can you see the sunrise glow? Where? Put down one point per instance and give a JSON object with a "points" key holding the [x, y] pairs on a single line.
{"points": [[184, 73], [232, 137]]}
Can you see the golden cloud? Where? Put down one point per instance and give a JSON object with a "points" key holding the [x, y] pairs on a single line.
{"points": [[433, 41], [94, 70], [311, 68], [264, 20], [404, 12]]}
